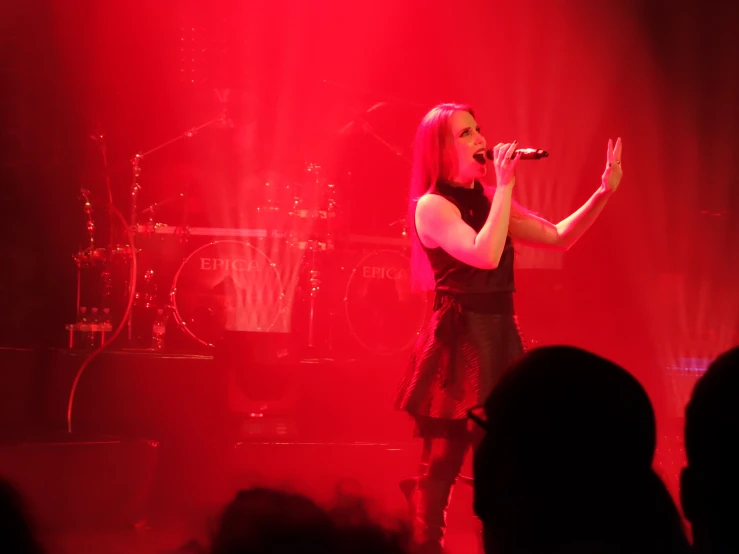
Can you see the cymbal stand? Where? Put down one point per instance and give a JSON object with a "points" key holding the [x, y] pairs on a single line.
{"points": [[154, 208], [367, 128], [138, 158], [98, 137], [88, 214], [136, 186], [374, 93]]}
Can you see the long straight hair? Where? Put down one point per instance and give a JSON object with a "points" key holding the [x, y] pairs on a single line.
{"points": [[432, 159]]}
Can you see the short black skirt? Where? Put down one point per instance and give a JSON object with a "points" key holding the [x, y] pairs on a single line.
{"points": [[459, 356]]}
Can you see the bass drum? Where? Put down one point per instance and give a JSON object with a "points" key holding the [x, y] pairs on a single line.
{"points": [[382, 314], [226, 285]]}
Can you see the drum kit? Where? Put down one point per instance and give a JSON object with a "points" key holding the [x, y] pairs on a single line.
{"points": [[298, 270]]}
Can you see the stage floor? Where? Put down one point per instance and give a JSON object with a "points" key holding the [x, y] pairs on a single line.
{"points": [[214, 429]]}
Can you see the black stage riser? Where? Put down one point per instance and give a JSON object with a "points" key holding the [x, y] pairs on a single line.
{"points": [[144, 395], [80, 484]]}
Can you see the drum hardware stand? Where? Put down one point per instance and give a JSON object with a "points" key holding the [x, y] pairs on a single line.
{"points": [[99, 139], [136, 163], [81, 257], [318, 244], [367, 128], [88, 213], [87, 257], [364, 91], [136, 186], [154, 208], [363, 124], [403, 226], [315, 284]]}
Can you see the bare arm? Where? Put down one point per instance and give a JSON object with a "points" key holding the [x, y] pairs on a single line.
{"points": [[536, 231], [439, 224]]}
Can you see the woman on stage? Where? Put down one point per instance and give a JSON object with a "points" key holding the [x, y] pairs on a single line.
{"points": [[463, 248]]}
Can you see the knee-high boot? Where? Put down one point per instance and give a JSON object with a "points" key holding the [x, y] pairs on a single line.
{"points": [[408, 485], [430, 500]]}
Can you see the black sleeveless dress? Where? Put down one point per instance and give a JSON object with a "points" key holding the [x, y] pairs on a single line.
{"points": [[472, 336]]}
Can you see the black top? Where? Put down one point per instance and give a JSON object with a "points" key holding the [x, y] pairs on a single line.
{"points": [[455, 277]]}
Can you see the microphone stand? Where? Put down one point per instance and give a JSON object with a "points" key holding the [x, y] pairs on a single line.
{"points": [[136, 186]]}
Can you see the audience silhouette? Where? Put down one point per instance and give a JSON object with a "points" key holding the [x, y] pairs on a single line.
{"points": [[18, 535], [566, 461], [710, 482]]}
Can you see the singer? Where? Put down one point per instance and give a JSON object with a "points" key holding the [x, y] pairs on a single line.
{"points": [[463, 249]]}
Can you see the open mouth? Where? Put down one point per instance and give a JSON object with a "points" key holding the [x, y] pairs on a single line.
{"points": [[479, 156]]}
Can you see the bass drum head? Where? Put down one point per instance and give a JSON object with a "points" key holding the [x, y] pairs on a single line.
{"points": [[382, 313], [226, 285]]}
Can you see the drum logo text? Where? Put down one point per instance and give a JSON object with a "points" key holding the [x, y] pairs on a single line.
{"points": [[228, 264], [375, 272]]}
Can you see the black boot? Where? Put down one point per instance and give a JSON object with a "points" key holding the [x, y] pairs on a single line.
{"points": [[408, 487], [430, 500]]}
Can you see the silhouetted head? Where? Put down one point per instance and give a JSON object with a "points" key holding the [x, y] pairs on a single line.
{"points": [[263, 520], [266, 521], [566, 459], [710, 483], [17, 533]]}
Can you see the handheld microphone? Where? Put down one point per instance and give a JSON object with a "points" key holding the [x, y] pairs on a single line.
{"points": [[526, 154]]}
